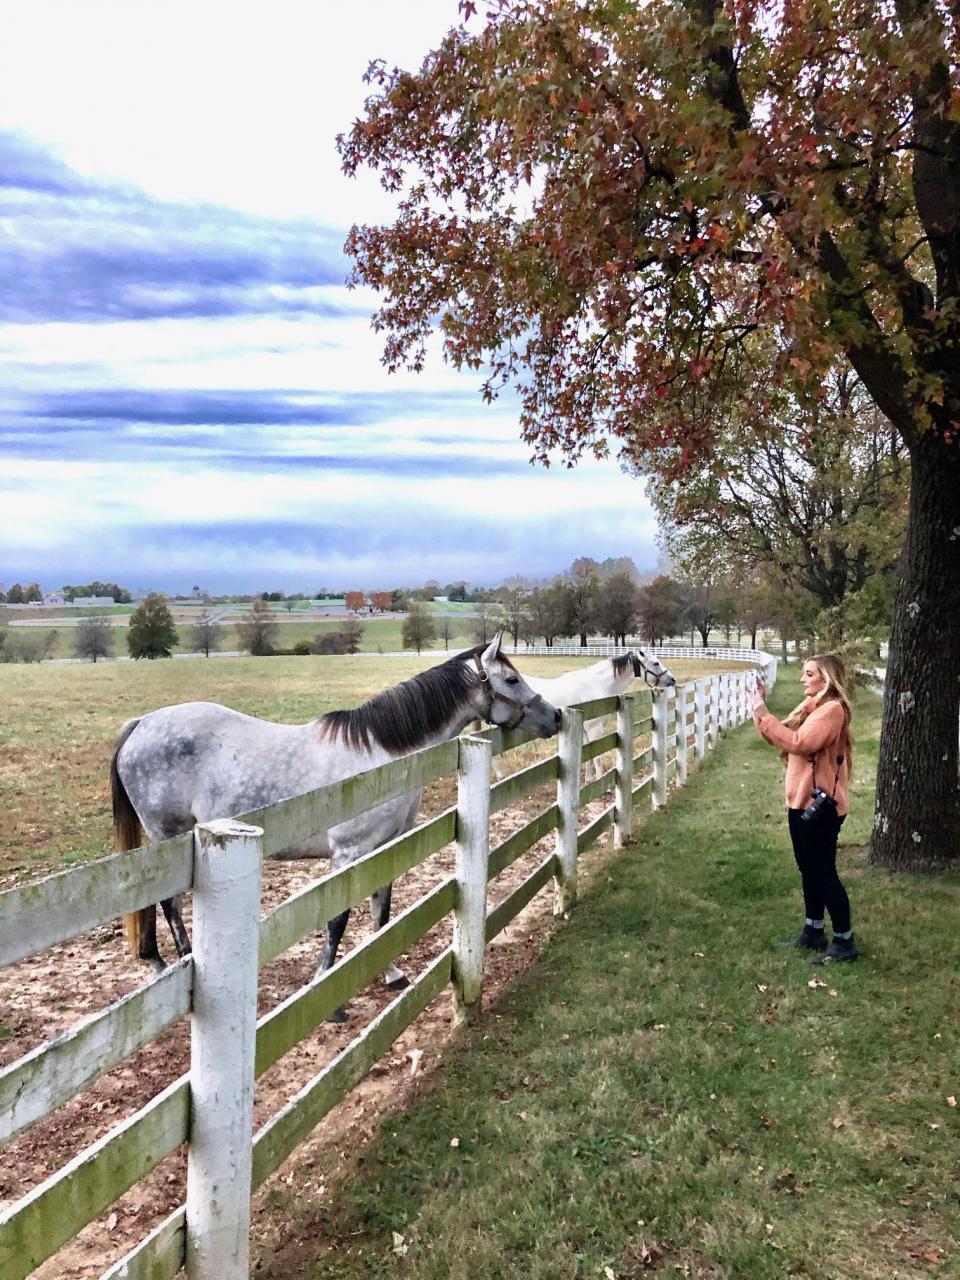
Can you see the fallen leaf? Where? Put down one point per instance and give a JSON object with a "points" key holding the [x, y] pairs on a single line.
{"points": [[951, 1101], [659, 1026], [454, 1142], [609, 1273], [400, 1247], [414, 1055], [761, 987], [816, 982], [111, 1222], [700, 955], [838, 1122]]}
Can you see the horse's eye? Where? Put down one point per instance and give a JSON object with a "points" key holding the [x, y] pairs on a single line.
{"points": [[513, 679]]}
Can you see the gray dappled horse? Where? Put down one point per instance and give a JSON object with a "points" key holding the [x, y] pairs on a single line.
{"points": [[604, 679], [198, 761]]}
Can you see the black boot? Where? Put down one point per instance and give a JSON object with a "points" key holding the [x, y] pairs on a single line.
{"points": [[839, 949], [811, 939]]}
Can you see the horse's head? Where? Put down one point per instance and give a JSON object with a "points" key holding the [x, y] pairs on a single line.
{"points": [[505, 698], [651, 670]]}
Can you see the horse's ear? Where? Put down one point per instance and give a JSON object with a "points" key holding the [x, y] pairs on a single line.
{"points": [[492, 649]]}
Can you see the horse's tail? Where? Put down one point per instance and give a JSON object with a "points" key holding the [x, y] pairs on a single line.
{"points": [[127, 830]]}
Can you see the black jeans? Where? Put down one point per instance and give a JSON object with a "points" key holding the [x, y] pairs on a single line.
{"points": [[815, 849]]}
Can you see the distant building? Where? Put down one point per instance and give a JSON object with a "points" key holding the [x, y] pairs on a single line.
{"points": [[93, 602], [53, 598]]}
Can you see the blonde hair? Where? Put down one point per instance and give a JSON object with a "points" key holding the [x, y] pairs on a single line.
{"points": [[834, 676]]}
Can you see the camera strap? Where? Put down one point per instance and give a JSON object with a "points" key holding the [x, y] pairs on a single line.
{"points": [[813, 765]]}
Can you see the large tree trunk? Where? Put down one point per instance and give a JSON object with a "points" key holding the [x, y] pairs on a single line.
{"points": [[917, 824]]}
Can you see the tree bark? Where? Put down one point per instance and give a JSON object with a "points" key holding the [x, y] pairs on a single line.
{"points": [[917, 821]]}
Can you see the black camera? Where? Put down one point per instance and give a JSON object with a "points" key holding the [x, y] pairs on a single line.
{"points": [[819, 807]]}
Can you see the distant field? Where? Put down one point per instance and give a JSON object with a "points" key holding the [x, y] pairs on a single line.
{"points": [[58, 725], [380, 635]]}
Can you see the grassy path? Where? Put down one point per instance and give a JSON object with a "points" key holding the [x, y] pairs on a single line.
{"points": [[666, 1093]]}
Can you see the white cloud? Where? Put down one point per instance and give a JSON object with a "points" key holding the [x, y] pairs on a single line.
{"points": [[237, 105]]}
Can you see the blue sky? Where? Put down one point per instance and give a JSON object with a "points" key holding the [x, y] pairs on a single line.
{"points": [[189, 393]]}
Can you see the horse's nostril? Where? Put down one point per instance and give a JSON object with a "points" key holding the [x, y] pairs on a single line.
{"points": [[557, 717]]}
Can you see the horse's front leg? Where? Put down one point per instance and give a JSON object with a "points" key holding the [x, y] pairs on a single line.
{"points": [[181, 939], [395, 978]]}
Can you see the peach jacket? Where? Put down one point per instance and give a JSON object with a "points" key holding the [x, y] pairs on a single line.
{"points": [[822, 737]]}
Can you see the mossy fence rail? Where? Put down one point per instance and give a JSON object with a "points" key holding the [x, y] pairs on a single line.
{"points": [[211, 1107]]}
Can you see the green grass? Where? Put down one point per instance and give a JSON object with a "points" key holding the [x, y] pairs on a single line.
{"points": [[664, 1091]]}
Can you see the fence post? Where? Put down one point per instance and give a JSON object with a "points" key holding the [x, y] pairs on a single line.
{"points": [[623, 796], [223, 1032], [700, 722], [570, 749], [473, 852], [714, 688], [683, 708], [660, 713]]}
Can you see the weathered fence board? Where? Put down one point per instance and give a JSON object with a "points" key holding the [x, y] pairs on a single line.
{"points": [[52, 1213], [58, 907], [511, 906], [589, 835], [596, 708], [286, 1025], [291, 822], [598, 787], [510, 849], [159, 1256], [45, 1079], [319, 902], [522, 783], [289, 1127], [643, 757], [599, 746]]}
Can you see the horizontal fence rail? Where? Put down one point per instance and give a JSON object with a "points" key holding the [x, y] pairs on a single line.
{"points": [[210, 1108]]}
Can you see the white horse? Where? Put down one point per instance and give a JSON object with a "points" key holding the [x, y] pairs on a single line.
{"points": [[199, 761], [604, 679]]}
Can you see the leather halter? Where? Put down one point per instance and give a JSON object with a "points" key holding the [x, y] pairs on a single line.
{"points": [[647, 673], [496, 696]]}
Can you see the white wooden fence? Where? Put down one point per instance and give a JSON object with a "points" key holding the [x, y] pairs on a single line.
{"points": [[210, 1108]]}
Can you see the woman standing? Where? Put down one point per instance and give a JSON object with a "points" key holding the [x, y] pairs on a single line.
{"points": [[815, 745]]}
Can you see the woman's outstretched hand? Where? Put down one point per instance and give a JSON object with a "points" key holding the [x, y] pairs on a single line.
{"points": [[757, 696]]}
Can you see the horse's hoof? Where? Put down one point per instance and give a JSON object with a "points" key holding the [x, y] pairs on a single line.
{"points": [[157, 962], [399, 984], [338, 1015]]}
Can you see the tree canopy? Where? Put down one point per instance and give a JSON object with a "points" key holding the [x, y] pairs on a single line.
{"points": [[644, 218], [151, 632]]}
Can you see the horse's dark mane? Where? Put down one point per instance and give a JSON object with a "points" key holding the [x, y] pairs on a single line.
{"points": [[403, 718], [622, 661]]}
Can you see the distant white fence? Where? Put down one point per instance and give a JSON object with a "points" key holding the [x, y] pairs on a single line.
{"points": [[604, 649], [211, 1107]]}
